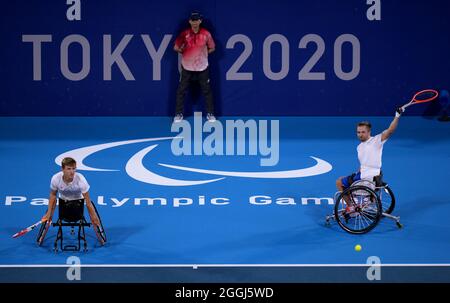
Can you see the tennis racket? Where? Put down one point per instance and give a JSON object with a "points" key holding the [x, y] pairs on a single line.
{"points": [[423, 96], [26, 230]]}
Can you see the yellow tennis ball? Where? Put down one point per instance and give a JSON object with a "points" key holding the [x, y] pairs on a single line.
{"points": [[358, 247]]}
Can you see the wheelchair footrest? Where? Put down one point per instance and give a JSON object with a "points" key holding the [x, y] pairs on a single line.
{"points": [[71, 224], [71, 248]]}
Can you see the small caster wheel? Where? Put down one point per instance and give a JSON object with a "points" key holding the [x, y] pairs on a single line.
{"points": [[399, 225]]}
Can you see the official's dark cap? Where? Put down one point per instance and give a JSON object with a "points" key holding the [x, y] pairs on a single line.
{"points": [[195, 16]]}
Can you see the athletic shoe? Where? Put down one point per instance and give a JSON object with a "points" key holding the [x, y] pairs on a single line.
{"points": [[178, 118], [210, 117]]}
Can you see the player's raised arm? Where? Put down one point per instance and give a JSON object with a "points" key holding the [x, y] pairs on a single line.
{"points": [[393, 126]]}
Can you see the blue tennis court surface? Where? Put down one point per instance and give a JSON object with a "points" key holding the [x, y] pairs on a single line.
{"points": [[238, 228]]}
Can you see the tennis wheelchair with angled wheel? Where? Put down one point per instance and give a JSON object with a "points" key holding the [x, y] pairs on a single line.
{"points": [[360, 207], [71, 214]]}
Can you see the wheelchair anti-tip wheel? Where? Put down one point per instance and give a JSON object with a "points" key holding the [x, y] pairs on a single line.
{"points": [[358, 209]]}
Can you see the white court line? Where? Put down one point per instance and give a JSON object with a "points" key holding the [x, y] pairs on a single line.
{"points": [[215, 265]]}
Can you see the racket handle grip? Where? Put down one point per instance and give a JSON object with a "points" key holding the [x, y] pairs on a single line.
{"points": [[399, 111]]}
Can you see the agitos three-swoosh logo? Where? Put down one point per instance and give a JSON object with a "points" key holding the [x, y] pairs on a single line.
{"points": [[136, 169]]}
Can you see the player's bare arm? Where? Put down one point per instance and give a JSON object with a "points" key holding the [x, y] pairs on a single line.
{"points": [[91, 210], [51, 206], [389, 131]]}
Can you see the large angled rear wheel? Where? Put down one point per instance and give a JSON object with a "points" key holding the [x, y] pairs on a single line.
{"points": [[357, 210]]}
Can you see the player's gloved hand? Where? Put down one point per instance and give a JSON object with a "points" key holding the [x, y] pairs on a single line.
{"points": [[46, 217], [399, 112]]}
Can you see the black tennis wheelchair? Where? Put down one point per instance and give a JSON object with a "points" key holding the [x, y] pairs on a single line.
{"points": [[71, 214], [360, 207]]}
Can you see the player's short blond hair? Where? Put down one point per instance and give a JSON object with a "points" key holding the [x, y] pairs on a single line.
{"points": [[67, 161], [366, 124]]}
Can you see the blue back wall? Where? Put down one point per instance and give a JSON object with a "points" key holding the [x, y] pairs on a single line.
{"points": [[407, 50]]}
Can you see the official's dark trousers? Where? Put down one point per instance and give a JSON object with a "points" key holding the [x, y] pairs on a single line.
{"points": [[186, 79]]}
